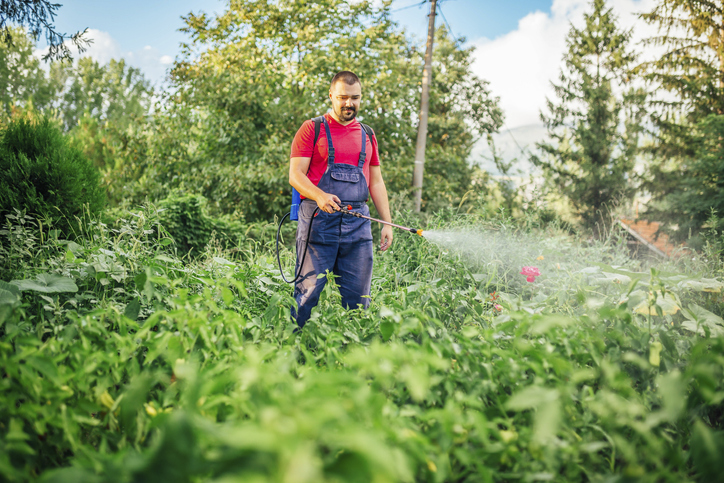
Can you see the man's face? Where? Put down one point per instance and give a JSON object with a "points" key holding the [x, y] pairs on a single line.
{"points": [[345, 100]]}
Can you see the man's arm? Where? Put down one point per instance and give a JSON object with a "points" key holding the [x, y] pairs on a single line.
{"points": [[298, 168], [378, 192]]}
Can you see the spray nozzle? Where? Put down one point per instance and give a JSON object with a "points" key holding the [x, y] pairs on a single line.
{"points": [[347, 210]]}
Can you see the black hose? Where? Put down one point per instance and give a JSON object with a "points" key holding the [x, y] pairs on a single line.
{"points": [[306, 245]]}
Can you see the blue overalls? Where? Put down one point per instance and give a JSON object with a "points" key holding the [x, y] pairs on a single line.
{"points": [[339, 243]]}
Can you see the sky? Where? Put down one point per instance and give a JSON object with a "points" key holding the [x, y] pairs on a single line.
{"points": [[518, 44]]}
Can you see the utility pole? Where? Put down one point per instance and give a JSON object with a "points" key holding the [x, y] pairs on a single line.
{"points": [[424, 104]]}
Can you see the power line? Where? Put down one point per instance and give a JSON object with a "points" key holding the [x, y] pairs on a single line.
{"points": [[522, 151], [410, 6], [447, 24]]}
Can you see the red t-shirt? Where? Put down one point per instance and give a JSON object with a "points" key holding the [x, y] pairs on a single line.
{"points": [[347, 142]]}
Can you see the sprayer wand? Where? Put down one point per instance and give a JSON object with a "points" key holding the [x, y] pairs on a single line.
{"points": [[348, 211], [293, 214]]}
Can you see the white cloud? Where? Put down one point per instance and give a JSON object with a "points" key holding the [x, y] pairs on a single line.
{"points": [[521, 64], [104, 48]]}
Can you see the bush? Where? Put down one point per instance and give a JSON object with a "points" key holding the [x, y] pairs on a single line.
{"points": [[43, 175], [186, 218]]}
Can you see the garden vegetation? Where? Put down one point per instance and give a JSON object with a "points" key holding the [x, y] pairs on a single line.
{"points": [[150, 339]]}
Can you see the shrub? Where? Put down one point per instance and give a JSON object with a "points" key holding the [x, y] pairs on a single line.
{"points": [[43, 175], [186, 218]]}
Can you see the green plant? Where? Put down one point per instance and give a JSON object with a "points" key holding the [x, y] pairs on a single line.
{"points": [[120, 363], [41, 174], [596, 121], [186, 218]]}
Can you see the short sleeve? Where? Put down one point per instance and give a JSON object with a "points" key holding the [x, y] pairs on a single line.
{"points": [[302, 146], [375, 160]]}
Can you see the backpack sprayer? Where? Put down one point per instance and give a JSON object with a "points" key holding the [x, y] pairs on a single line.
{"points": [[294, 216]]}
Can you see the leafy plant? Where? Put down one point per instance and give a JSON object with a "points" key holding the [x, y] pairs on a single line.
{"points": [[41, 174], [158, 369], [186, 219]]}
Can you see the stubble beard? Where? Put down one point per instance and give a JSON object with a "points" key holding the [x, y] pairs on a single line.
{"points": [[347, 115]]}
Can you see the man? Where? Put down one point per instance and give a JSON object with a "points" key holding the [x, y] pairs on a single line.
{"points": [[341, 169]]}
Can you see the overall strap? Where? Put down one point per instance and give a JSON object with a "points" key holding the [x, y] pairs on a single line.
{"points": [[370, 132], [318, 121], [317, 124], [362, 154], [330, 146]]}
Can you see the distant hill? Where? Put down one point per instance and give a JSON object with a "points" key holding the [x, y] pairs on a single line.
{"points": [[516, 143]]}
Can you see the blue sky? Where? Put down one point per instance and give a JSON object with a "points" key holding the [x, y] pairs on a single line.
{"points": [[519, 43], [137, 23], [471, 19]]}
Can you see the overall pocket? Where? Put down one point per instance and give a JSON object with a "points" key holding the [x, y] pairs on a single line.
{"points": [[346, 176]]}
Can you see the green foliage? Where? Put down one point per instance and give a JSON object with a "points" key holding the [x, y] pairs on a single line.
{"points": [[263, 68], [462, 108], [158, 369], [696, 183], [41, 174], [105, 108], [591, 158], [249, 78], [22, 80], [691, 68], [38, 17], [186, 219], [684, 167], [114, 93]]}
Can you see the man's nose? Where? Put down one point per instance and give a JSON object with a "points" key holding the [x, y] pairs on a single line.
{"points": [[348, 102]]}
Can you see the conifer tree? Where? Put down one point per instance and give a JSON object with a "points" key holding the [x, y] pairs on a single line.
{"points": [[683, 177], [692, 32], [38, 17], [594, 125]]}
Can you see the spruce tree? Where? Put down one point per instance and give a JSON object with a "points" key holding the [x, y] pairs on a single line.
{"points": [[594, 125], [683, 177], [692, 32]]}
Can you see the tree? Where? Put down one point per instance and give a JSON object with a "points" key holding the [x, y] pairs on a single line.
{"points": [[106, 109], [700, 188], [250, 76], [595, 125], [115, 93], [22, 80], [461, 110], [693, 66], [37, 16], [685, 160]]}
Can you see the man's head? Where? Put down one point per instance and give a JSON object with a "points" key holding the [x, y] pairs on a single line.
{"points": [[345, 91]]}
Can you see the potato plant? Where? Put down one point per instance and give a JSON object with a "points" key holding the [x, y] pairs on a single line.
{"points": [[123, 362]]}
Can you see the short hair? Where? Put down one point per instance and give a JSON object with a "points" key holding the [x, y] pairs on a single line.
{"points": [[349, 78]]}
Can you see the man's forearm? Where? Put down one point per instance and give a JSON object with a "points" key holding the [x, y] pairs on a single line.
{"points": [[378, 192], [306, 188]]}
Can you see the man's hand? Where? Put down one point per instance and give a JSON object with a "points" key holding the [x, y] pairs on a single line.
{"points": [[328, 202], [386, 238]]}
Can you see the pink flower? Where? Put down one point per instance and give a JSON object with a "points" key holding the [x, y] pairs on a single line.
{"points": [[531, 273], [498, 307]]}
